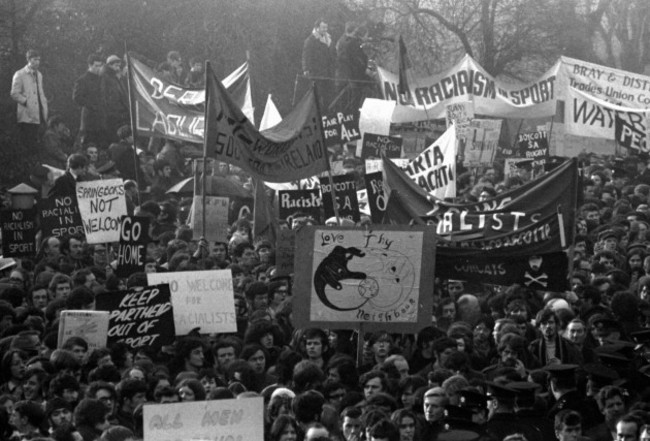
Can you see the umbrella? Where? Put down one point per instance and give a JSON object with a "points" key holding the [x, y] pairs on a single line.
{"points": [[216, 186]]}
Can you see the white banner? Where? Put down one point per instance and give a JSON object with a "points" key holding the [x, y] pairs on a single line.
{"points": [[435, 168], [102, 205]]}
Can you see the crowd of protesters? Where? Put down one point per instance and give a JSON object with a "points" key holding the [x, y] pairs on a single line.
{"points": [[497, 363]]}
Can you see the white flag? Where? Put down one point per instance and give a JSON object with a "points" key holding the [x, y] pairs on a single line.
{"points": [[271, 115]]}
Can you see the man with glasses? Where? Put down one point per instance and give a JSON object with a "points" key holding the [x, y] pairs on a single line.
{"points": [[27, 92], [104, 392]]}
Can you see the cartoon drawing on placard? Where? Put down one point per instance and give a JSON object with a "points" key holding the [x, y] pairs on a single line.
{"points": [[536, 275]]}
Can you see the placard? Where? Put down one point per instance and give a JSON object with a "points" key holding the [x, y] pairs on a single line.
{"points": [[18, 232], [305, 201], [375, 165], [534, 145], [132, 252], [218, 420], [60, 216], [216, 214], [346, 197], [376, 196], [341, 128], [381, 277], [480, 142], [102, 205], [375, 146], [139, 316], [92, 326], [201, 299], [285, 252]]}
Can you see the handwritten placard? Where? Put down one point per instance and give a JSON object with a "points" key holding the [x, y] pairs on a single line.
{"points": [[375, 146], [92, 326], [18, 232], [346, 197], [216, 215], [102, 205], [139, 316], [376, 165], [304, 201], [134, 237], [60, 216], [201, 299], [340, 128], [285, 252], [219, 420], [348, 276], [376, 196]]}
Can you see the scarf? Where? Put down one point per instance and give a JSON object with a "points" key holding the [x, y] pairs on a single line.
{"points": [[325, 39]]}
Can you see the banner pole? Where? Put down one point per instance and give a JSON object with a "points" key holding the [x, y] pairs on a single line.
{"points": [[514, 143], [205, 148], [360, 344], [134, 132]]}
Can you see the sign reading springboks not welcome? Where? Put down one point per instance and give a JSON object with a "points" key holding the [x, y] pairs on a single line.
{"points": [[218, 420], [102, 205], [201, 299]]}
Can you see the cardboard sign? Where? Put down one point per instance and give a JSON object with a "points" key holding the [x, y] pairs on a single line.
{"points": [[285, 252], [201, 299], [216, 215], [534, 145], [139, 316], [510, 167], [375, 146], [375, 165], [376, 196], [480, 142], [60, 216], [92, 326], [346, 197], [219, 420], [102, 205], [305, 201], [18, 232], [381, 277], [630, 136], [341, 128], [134, 237]]}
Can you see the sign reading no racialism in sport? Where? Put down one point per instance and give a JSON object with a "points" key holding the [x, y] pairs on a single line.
{"points": [[380, 277]]}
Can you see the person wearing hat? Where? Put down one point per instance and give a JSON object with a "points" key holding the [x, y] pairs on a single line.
{"points": [[457, 425], [525, 170], [58, 413], [526, 410], [476, 402], [114, 97], [563, 386], [502, 420]]}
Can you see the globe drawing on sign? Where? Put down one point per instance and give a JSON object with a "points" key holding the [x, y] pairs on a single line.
{"points": [[349, 278]]}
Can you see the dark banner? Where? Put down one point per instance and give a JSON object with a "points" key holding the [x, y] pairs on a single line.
{"points": [[341, 128], [134, 237], [376, 146], [18, 232], [239, 207], [346, 197], [533, 145], [629, 135], [305, 201], [376, 196], [166, 110], [539, 272], [139, 316], [60, 216]]}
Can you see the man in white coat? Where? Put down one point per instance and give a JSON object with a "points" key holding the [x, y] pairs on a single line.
{"points": [[27, 91]]}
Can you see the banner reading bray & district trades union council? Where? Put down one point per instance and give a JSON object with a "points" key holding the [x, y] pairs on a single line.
{"points": [[428, 97], [291, 150]]}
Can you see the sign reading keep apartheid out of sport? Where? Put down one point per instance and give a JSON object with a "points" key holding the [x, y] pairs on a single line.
{"points": [[340, 128], [305, 201], [289, 151], [201, 299], [219, 420], [435, 169], [102, 205], [60, 216], [376, 196], [533, 145], [381, 278], [376, 146], [18, 232], [346, 197], [92, 326], [139, 316], [134, 237]]}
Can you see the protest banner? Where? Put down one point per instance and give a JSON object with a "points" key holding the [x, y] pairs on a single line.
{"points": [[18, 232], [201, 299], [510, 166], [461, 114], [289, 151], [305, 201], [101, 205], [376, 196], [631, 136], [217, 420], [92, 326], [548, 272], [340, 128], [302, 184], [216, 214], [166, 110], [380, 277], [139, 316], [428, 97], [534, 145], [60, 216], [417, 135], [435, 169], [375, 146], [132, 251], [285, 252], [346, 197]]}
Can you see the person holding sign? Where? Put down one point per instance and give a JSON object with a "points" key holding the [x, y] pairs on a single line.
{"points": [[66, 185]]}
